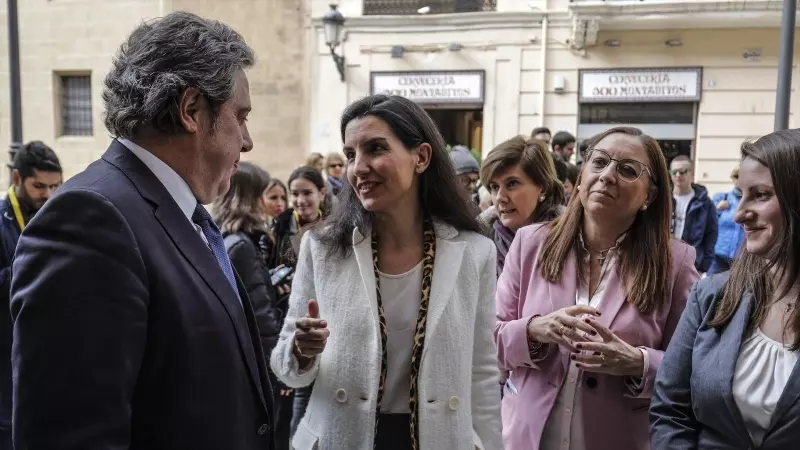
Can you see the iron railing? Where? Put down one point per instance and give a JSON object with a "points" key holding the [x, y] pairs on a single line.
{"points": [[406, 7]]}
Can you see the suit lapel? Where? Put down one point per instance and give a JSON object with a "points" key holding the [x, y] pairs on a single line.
{"points": [[190, 245], [729, 347]]}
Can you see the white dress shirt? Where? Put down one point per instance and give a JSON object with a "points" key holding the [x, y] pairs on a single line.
{"points": [[173, 183]]}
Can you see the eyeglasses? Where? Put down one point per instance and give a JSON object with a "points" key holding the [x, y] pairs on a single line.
{"points": [[628, 169], [335, 165], [680, 172]]}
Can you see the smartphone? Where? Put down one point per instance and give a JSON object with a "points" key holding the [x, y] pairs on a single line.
{"points": [[280, 275]]}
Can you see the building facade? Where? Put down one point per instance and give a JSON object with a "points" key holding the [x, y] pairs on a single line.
{"points": [[698, 75], [66, 47]]}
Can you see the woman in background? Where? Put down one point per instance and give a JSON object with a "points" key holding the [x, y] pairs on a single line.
{"points": [[730, 378], [306, 193], [316, 161], [334, 166], [275, 198], [730, 234], [521, 178], [240, 215]]}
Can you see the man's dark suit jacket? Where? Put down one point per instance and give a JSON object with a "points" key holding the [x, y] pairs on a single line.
{"points": [[127, 334]]}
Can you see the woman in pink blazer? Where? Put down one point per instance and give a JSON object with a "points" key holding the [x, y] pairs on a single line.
{"points": [[587, 305]]}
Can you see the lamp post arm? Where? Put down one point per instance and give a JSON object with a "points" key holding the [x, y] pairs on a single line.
{"points": [[339, 60]]}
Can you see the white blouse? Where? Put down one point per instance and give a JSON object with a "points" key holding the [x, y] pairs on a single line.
{"points": [[762, 370], [401, 296]]}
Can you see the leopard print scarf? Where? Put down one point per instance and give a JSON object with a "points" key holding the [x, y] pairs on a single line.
{"points": [[429, 252]]}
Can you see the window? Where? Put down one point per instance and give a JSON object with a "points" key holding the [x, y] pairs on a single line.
{"points": [[76, 105], [407, 7], [637, 113]]}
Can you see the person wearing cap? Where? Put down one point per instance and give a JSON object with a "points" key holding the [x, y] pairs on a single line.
{"points": [[467, 171]]}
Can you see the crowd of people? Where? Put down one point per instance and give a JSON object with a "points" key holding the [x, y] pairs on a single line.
{"points": [[396, 294]]}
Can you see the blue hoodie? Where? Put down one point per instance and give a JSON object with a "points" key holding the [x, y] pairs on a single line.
{"points": [[731, 234]]}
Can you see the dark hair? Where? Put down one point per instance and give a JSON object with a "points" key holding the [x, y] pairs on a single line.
{"points": [[682, 158], [242, 207], [572, 172], [561, 140], [645, 254], [560, 165], [307, 173], [160, 60], [780, 153], [538, 130], [35, 155], [583, 147], [438, 188], [273, 182], [533, 158]]}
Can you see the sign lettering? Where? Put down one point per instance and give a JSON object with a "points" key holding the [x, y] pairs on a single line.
{"points": [[431, 87], [647, 85]]}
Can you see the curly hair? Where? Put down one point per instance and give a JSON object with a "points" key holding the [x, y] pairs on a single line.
{"points": [[159, 61]]}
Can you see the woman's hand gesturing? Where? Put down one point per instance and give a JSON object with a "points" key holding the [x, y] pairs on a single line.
{"points": [[311, 335], [564, 327]]}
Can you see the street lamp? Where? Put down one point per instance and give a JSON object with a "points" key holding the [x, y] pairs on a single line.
{"points": [[332, 23], [14, 82]]}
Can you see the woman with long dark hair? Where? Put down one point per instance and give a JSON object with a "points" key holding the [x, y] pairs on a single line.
{"points": [[586, 304], [731, 376], [391, 309]]}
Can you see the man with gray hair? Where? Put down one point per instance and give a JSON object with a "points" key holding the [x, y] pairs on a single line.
{"points": [[131, 329]]}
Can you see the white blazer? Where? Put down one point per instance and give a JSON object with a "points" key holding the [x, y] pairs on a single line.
{"points": [[458, 386]]}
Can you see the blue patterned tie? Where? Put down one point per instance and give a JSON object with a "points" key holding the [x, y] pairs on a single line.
{"points": [[215, 242]]}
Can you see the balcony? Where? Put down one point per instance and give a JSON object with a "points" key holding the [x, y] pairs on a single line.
{"points": [[413, 7], [674, 14]]}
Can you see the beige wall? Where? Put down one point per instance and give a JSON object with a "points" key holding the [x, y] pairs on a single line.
{"points": [[82, 35], [738, 96]]}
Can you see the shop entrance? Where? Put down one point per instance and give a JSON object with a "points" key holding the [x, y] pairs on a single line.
{"points": [[460, 127], [672, 124]]}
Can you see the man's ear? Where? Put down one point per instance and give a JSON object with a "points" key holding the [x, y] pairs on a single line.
{"points": [[191, 109], [16, 178]]}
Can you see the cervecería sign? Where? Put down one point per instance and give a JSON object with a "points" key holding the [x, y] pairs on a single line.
{"points": [[431, 87], [645, 85]]}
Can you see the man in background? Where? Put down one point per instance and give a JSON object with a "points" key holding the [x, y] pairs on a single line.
{"points": [[563, 144], [36, 175], [467, 172], [694, 216], [542, 134]]}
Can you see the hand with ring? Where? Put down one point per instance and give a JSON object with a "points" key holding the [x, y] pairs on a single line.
{"points": [[563, 327], [612, 356]]}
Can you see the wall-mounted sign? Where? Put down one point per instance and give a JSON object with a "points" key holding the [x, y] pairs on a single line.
{"points": [[431, 87], [640, 85]]}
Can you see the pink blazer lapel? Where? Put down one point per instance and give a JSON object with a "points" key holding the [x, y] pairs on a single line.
{"points": [[613, 299], [563, 294]]}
